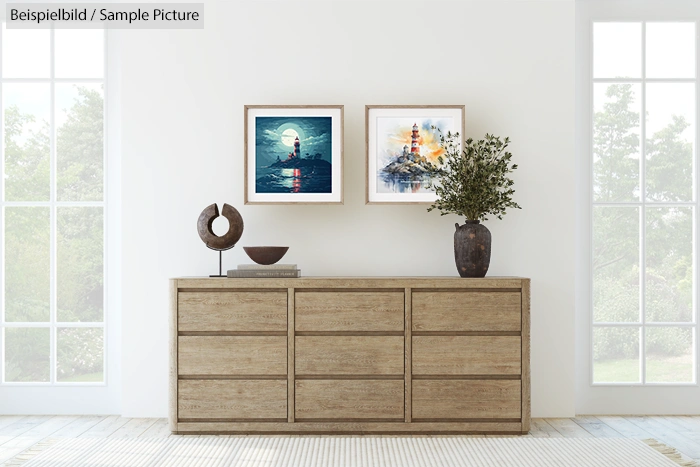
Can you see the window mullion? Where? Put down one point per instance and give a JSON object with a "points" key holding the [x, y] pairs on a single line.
{"points": [[696, 233], [52, 216], [591, 204], [2, 224], [642, 214]]}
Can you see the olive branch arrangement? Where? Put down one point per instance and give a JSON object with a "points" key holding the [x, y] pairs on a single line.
{"points": [[473, 182]]}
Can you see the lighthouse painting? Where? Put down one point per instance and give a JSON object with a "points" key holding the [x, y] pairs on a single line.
{"points": [[293, 154], [403, 150]]}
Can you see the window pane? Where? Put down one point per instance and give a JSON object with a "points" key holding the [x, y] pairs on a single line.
{"points": [[79, 142], [617, 50], [27, 355], [669, 355], [26, 141], [79, 53], [616, 355], [670, 50], [80, 355], [26, 53], [27, 243], [615, 264], [79, 269], [670, 140], [616, 136], [669, 264]]}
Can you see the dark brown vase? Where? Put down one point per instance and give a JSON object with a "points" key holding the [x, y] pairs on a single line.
{"points": [[472, 249]]}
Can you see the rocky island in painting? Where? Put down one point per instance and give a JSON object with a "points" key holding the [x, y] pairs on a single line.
{"points": [[407, 155], [293, 155]]}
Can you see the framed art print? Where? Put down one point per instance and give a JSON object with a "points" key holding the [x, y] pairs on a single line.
{"points": [[293, 154], [402, 150]]}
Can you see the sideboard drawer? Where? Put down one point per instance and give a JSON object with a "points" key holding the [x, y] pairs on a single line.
{"points": [[466, 355], [349, 355], [232, 355], [453, 399], [466, 311], [240, 399], [232, 311], [349, 399], [349, 311]]}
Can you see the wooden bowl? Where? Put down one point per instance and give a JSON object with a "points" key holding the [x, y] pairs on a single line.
{"points": [[265, 254]]}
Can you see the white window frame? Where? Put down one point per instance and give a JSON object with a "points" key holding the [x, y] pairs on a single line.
{"points": [[624, 398], [75, 397]]}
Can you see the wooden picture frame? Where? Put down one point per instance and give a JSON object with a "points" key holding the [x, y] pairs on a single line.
{"points": [[293, 154], [401, 150]]}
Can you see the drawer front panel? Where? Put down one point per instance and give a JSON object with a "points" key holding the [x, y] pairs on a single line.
{"points": [[349, 355], [232, 311], [472, 399], [349, 399], [232, 355], [349, 311], [466, 355], [466, 311], [209, 399]]}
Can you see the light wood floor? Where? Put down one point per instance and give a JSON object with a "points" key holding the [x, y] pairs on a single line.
{"points": [[18, 433]]}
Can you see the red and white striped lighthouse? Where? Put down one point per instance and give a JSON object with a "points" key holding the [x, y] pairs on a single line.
{"points": [[297, 147], [415, 147]]}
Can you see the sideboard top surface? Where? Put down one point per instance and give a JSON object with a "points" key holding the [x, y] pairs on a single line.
{"points": [[352, 282]]}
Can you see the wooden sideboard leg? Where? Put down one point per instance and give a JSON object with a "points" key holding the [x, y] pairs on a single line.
{"points": [[525, 355], [172, 409], [407, 356], [290, 355]]}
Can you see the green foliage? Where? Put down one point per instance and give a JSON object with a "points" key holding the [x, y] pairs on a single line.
{"points": [[80, 264], [79, 352], [615, 343], [669, 164], [79, 149], [473, 182], [27, 240], [27, 150], [616, 147], [29, 354]]}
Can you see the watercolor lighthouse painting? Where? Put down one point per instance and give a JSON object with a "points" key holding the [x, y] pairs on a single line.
{"points": [[404, 151], [293, 154], [408, 168]]}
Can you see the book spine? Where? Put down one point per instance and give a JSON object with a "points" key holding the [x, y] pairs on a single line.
{"points": [[268, 273], [264, 267]]}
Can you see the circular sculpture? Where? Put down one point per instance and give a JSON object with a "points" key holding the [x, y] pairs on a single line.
{"points": [[229, 239]]}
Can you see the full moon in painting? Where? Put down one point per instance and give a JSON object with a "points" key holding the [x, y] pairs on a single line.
{"points": [[288, 137]]}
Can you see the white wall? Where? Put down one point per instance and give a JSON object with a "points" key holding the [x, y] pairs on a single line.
{"points": [[510, 63]]}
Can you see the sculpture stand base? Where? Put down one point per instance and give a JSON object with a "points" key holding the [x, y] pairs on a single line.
{"points": [[220, 271]]}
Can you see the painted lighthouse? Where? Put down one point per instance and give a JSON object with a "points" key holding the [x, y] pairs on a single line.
{"points": [[414, 150], [296, 154], [415, 147]]}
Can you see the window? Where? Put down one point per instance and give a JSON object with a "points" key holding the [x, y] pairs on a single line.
{"points": [[644, 203], [52, 311]]}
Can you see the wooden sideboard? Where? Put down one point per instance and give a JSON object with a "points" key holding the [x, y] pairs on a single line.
{"points": [[350, 355]]}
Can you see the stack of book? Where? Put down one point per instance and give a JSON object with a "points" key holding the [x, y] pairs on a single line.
{"points": [[261, 270]]}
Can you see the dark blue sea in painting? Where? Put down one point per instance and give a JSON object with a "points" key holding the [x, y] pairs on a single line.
{"points": [[293, 155]]}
